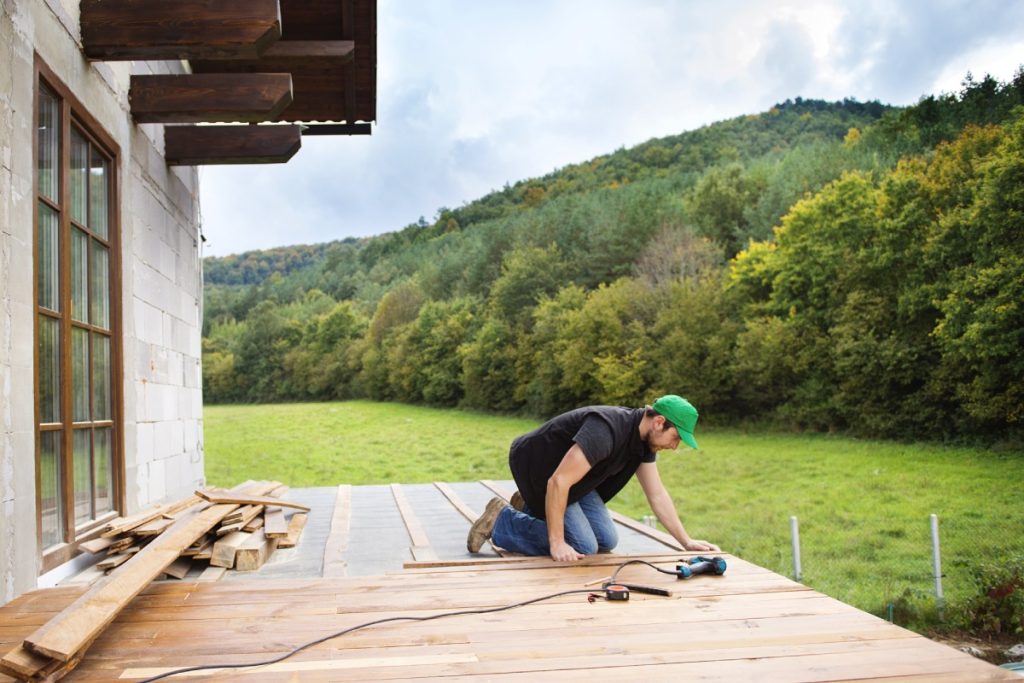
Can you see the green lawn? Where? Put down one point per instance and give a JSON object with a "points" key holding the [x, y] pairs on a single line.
{"points": [[863, 506]]}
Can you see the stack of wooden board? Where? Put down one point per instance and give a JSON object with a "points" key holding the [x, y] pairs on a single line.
{"points": [[243, 540], [164, 540]]}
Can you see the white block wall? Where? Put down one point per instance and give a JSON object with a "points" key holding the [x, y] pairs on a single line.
{"points": [[160, 281]]}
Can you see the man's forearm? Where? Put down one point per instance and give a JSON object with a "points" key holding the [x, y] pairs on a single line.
{"points": [[555, 501], [665, 510]]}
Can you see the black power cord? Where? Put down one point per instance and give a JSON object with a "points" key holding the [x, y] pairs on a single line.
{"points": [[337, 634], [626, 564]]}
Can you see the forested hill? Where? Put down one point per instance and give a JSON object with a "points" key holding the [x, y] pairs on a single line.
{"points": [[785, 126], [740, 264]]}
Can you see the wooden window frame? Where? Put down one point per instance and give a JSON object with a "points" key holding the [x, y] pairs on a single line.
{"points": [[72, 111]]}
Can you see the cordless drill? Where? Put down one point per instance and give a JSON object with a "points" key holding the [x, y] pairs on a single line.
{"points": [[701, 565]]}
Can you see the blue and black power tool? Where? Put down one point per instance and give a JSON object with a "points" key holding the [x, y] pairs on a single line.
{"points": [[700, 565]]}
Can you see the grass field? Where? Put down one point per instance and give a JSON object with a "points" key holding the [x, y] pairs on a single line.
{"points": [[863, 506]]}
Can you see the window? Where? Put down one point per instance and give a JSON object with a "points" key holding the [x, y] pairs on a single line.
{"points": [[78, 442]]}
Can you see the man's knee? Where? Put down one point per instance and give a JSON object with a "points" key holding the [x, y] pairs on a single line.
{"points": [[585, 546], [607, 540]]}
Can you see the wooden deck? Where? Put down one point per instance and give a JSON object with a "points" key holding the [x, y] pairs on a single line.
{"points": [[748, 625]]}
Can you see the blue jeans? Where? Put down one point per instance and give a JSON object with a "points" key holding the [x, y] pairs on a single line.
{"points": [[588, 529]]}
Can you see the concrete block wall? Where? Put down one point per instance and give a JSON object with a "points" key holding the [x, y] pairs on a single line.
{"points": [[161, 286]]}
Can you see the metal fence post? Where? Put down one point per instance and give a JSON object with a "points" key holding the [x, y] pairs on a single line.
{"points": [[936, 562], [794, 530]]}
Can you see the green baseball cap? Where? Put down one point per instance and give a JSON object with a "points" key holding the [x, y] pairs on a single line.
{"points": [[680, 413]]}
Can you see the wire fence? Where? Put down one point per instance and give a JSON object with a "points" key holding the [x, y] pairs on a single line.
{"points": [[928, 574]]}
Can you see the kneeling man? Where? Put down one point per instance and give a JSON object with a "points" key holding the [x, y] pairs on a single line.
{"points": [[569, 467]]}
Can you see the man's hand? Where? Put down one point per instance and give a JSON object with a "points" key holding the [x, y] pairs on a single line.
{"points": [[696, 544], [563, 552]]}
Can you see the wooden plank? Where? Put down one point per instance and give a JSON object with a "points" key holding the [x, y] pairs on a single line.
{"points": [[211, 573], [228, 497], [199, 98], [184, 29], [337, 539], [274, 523], [204, 553], [242, 514], [121, 544], [497, 489], [201, 145], [280, 492], [309, 666], [224, 550], [420, 543], [113, 561], [76, 626], [125, 524], [456, 502], [198, 548], [657, 534], [254, 552], [86, 577], [179, 568], [248, 513], [464, 510], [95, 545], [23, 664], [154, 527], [254, 525], [295, 527]]}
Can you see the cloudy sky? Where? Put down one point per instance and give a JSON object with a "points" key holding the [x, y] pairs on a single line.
{"points": [[471, 95]]}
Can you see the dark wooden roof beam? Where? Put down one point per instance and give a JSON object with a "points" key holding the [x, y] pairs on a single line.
{"points": [[337, 129], [285, 55], [207, 98], [178, 29], [330, 51], [201, 145]]}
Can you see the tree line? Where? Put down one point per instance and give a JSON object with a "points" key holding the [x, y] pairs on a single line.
{"points": [[828, 266]]}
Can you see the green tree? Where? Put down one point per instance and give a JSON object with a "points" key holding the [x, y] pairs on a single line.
{"points": [[489, 366], [527, 273], [693, 341]]}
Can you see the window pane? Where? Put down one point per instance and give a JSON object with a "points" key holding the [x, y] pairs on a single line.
{"points": [[99, 277], [82, 469], [49, 487], [79, 375], [100, 377], [49, 369], [102, 459], [79, 275], [98, 194], [79, 175], [49, 144], [48, 267]]}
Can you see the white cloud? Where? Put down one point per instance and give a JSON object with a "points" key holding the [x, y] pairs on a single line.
{"points": [[475, 94]]}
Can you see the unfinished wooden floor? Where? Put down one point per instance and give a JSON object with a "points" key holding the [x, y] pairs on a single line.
{"points": [[748, 625]]}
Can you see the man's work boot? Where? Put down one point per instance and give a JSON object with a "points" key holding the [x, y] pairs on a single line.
{"points": [[482, 527], [517, 501]]}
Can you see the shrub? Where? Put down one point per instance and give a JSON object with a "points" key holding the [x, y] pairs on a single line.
{"points": [[998, 605]]}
